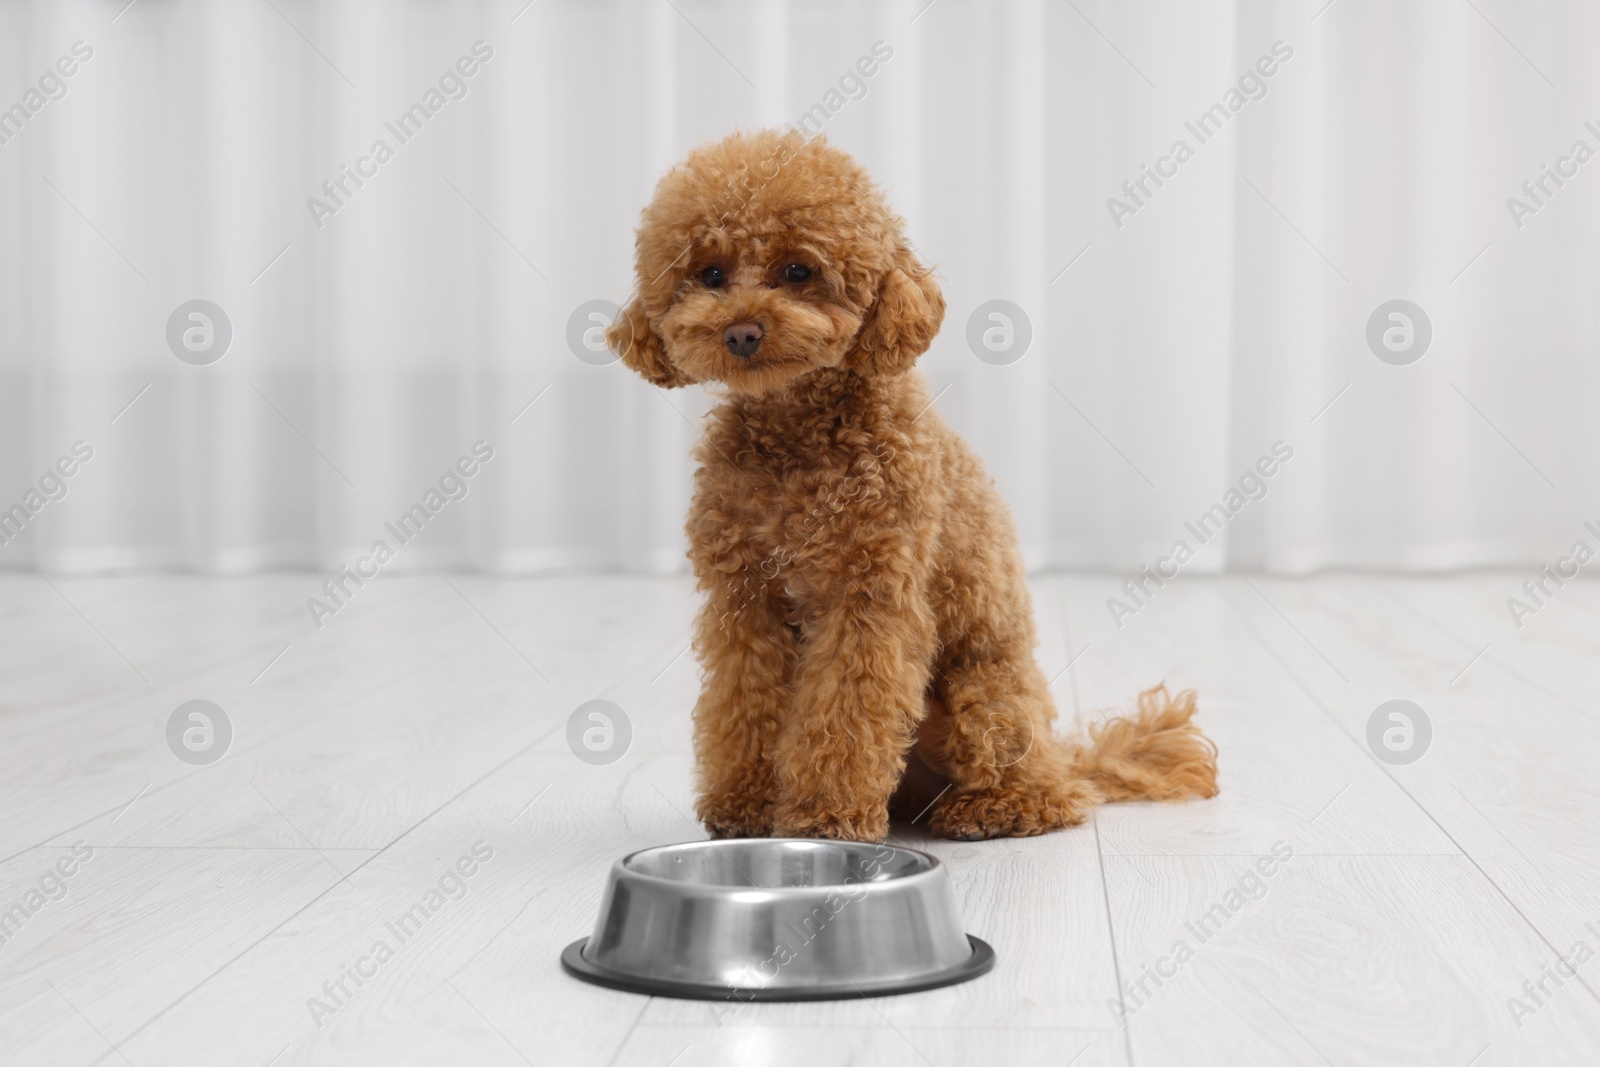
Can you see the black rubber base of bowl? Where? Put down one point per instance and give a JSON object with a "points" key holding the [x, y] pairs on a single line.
{"points": [[572, 961]]}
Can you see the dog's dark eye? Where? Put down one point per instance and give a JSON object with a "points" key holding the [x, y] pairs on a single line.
{"points": [[796, 273], [713, 277]]}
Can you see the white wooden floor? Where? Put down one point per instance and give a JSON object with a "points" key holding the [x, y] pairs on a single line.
{"points": [[426, 718]]}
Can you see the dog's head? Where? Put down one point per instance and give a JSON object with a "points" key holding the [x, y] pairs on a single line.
{"points": [[765, 257]]}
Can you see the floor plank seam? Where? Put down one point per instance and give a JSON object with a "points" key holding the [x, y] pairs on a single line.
{"points": [[251, 947], [1388, 773], [1439, 628], [1111, 931]]}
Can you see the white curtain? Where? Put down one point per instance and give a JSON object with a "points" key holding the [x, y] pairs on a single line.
{"points": [[1176, 337]]}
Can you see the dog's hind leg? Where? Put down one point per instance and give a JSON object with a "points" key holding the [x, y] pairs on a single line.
{"points": [[1009, 775]]}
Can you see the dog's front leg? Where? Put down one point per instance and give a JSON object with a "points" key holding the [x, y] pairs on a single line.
{"points": [[748, 652], [859, 694]]}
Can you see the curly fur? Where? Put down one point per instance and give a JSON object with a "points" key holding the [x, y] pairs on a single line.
{"points": [[865, 597]]}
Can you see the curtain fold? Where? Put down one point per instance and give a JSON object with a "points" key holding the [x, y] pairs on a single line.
{"points": [[392, 310]]}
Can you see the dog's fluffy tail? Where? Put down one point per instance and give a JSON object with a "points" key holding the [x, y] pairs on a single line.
{"points": [[1156, 754]]}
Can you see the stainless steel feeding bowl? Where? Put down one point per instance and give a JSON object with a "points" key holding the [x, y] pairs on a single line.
{"points": [[777, 919]]}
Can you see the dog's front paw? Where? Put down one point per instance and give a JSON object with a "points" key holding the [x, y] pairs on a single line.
{"points": [[735, 814], [848, 825]]}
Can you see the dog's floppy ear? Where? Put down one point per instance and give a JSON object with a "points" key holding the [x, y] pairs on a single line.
{"points": [[632, 338], [904, 317]]}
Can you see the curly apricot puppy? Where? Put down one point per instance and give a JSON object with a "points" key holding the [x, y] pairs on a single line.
{"points": [[865, 593]]}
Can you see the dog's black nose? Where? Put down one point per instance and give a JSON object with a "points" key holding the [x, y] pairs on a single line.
{"points": [[742, 339]]}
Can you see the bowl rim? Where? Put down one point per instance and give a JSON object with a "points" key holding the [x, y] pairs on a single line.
{"points": [[620, 868]]}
